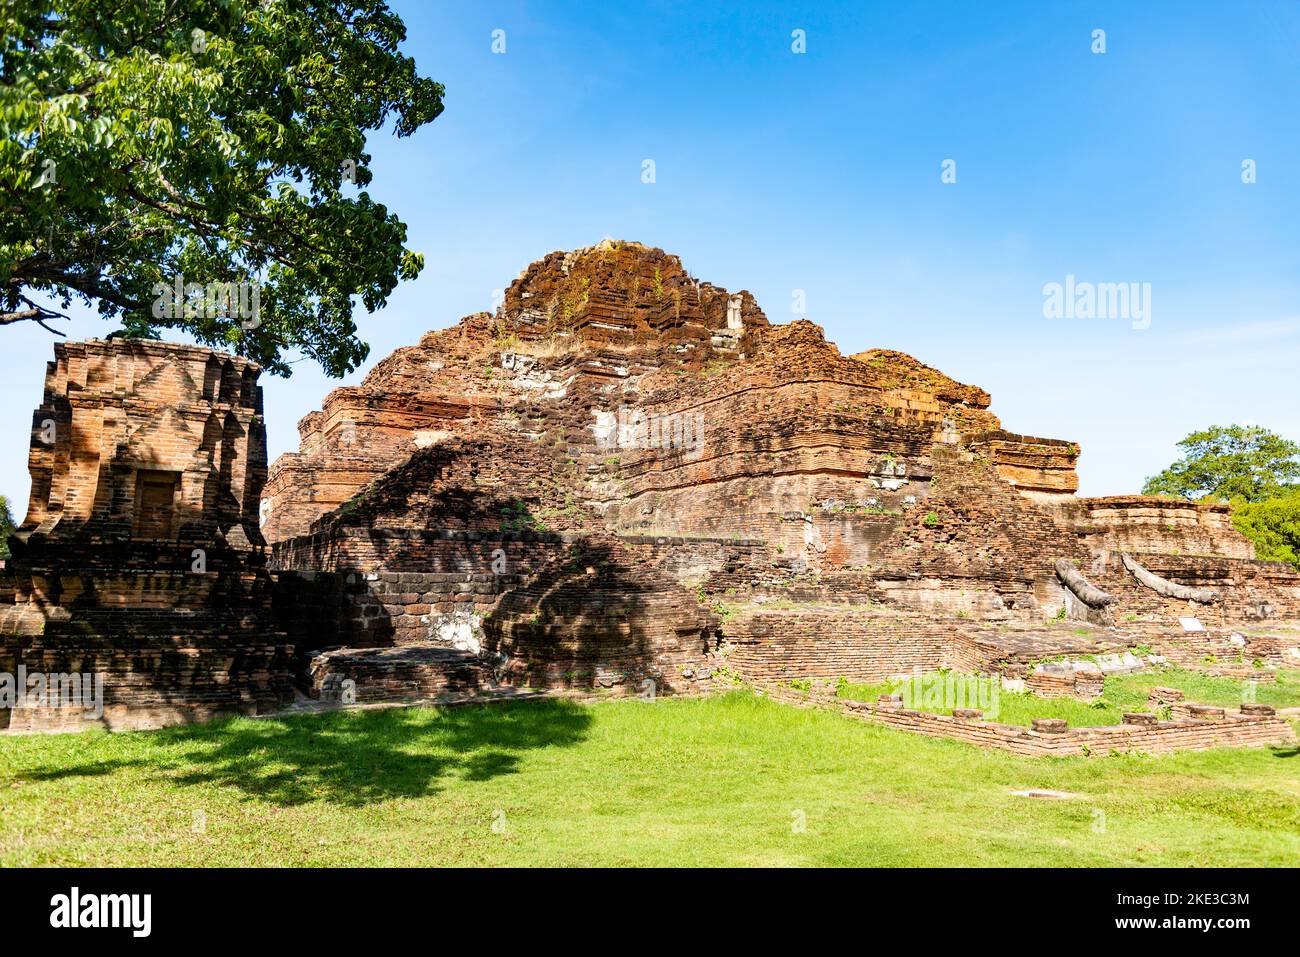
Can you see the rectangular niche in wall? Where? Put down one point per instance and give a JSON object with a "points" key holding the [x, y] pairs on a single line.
{"points": [[155, 504]]}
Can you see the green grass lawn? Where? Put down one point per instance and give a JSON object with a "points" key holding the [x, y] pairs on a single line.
{"points": [[1122, 693], [679, 781]]}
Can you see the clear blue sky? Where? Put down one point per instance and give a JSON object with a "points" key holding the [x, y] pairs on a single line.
{"points": [[821, 172]]}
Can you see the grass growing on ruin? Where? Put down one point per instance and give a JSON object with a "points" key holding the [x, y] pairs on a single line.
{"points": [[737, 780], [1205, 689], [1122, 693], [1007, 707]]}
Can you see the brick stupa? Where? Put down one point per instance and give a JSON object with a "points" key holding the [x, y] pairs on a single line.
{"points": [[843, 515]]}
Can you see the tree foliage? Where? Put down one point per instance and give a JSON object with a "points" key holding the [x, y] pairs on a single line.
{"points": [[1235, 462], [6, 526], [1273, 525], [218, 141]]}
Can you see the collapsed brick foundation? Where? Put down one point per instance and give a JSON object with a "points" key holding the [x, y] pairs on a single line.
{"points": [[1238, 729]]}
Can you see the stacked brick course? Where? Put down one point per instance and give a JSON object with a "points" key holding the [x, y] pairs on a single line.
{"points": [[1140, 523]]}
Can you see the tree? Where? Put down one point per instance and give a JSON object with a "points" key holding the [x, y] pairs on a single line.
{"points": [[1235, 462], [1273, 525], [6, 526], [186, 165]]}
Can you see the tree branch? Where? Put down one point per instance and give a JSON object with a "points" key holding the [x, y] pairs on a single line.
{"points": [[35, 313]]}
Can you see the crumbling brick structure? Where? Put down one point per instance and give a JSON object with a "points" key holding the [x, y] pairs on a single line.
{"points": [[140, 557], [613, 393]]}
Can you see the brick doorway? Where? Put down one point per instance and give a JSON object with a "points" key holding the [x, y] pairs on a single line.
{"points": [[155, 504]]}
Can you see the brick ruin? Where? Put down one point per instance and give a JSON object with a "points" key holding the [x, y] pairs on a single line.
{"points": [[140, 558], [625, 480]]}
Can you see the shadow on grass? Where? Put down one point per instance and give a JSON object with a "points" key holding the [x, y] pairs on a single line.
{"points": [[356, 758]]}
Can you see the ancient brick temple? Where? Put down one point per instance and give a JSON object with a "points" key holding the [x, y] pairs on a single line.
{"points": [[625, 481], [628, 475], [140, 558]]}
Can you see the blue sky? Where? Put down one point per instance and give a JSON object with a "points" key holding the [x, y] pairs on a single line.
{"points": [[820, 171]]}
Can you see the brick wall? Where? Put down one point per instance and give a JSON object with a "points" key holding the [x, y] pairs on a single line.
{"points": [[1150, 524], [602, 617], [858, 644]]}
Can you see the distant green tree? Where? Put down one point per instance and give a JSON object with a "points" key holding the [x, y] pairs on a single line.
{"points": [[6, 526], [1244, 463], [1273, 525]]}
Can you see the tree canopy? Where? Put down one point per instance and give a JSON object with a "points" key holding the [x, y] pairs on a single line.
{"points": [[1258, 471], [1273, 525], [1235, 462], [150, 146], [6, 526]]}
